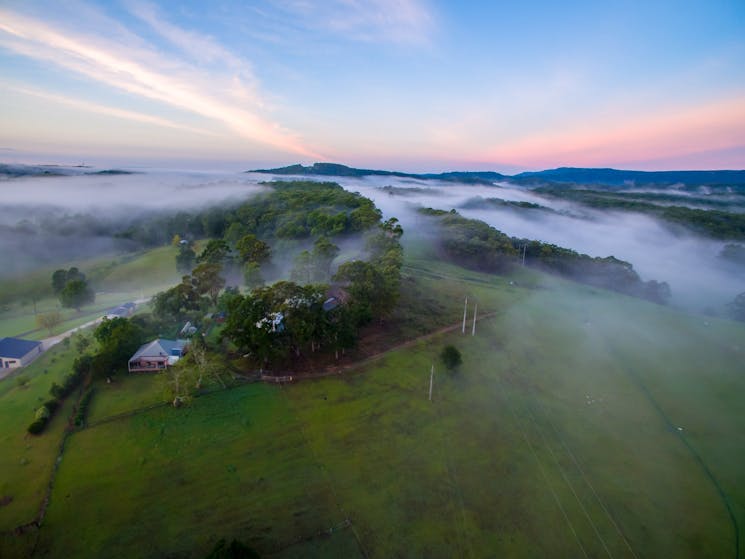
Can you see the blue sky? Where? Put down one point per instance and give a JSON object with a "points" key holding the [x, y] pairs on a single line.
{"points": [[405, 84]]}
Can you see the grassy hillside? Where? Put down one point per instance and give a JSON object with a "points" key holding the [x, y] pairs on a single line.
{"points": [[26, 461], [581, 423], [115, 280]]}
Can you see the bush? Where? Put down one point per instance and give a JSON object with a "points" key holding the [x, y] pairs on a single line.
{"points": [[42, 413], [51, 405], [451, 357], [37, 426], [81, 366]]}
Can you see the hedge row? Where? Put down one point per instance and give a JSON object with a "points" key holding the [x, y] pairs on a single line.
{"points": [[81, 367], [83, 408]]}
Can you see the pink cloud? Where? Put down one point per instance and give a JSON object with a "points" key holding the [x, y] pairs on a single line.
{"points": [[671, 134]]}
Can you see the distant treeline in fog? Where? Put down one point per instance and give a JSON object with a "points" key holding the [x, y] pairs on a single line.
{"points": [[717, 224], [475, 244]]}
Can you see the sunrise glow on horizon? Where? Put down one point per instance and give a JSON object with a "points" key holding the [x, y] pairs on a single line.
{"points": [[414, 85]]}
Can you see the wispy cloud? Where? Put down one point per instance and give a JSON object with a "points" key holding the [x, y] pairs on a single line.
{"points": [[144, 71], [201, 48], [107, 110], [394, 21]]}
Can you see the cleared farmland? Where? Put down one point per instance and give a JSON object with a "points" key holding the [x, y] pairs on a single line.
{"points": [[581, 423]]}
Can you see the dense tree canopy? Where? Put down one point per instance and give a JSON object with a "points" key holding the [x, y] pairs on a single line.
{"points": [[216, 251], [276, 322], [179, 302], [76, 293], [61, 277], [118, 339], [185, 258], [252, 249], [207, 280]]}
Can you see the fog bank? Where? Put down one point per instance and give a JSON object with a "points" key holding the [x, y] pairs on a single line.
{"points": [[689, 263]]}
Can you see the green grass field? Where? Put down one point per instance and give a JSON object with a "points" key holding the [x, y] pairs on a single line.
{"points": [[26, 461], [581, 424], [116, 280]]}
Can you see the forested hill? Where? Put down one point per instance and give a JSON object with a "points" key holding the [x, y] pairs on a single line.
{"points": [[14, 171], [337, 170], [617, 177], [562, 175]]}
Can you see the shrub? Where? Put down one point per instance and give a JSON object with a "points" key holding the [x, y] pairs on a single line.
{"points": [[451, 357], [51, 405], [42, 416], [42, 413], [37, 426]]}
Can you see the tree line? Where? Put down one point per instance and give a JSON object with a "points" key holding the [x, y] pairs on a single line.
{"points": [[477, 245], [715, 223]]}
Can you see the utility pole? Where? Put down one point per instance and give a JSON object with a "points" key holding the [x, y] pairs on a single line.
{"points": [[465, 310], [525, 247], [431, 380], [475, 310]]}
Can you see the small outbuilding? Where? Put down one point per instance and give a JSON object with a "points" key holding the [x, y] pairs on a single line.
{"points": [[157, 355], [335, 297], [16, 352], [122, 311]]}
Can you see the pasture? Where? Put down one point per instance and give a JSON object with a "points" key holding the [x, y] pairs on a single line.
{"points": [[115, 279], [581, 424]]}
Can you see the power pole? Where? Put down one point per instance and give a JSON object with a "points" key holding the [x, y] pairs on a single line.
{"points": [[525, 247], [475, 310], [431, 380], [465, 310]]}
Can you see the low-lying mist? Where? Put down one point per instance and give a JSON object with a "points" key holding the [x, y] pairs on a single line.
{"points": [[690, 264], [51, 220], [699, 279]]}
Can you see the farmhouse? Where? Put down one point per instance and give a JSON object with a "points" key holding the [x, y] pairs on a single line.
{"points": [[157, 355], [15, 352]]}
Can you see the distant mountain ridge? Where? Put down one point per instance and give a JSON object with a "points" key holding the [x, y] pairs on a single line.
{"points": [[562, 175], [338, 170], [18, 170], [616, 177]]}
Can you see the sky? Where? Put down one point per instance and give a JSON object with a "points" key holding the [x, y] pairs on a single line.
{"points": [[412, 85]]}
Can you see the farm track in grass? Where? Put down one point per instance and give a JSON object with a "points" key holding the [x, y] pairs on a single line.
{"points": [[362, 363]]}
